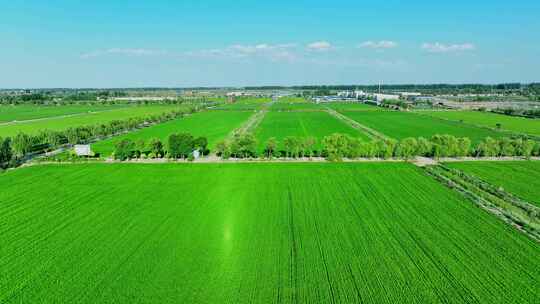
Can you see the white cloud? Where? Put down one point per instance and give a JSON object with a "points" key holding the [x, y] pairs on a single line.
{"points": [[123, 51], [319, 46], [447, 48], [383, 44], [274, 52]]}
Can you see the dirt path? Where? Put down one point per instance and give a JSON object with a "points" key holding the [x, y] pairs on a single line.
{"points": [[252, 123], [356, 125]]}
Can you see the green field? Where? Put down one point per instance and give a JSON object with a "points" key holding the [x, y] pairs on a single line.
{"points": [[245, 104], [253, 233], [295, 106], [510, 123], [301, 124], [521, 178], [292, 99], [9, 113], [352, 106], [401, 125], [214, 125], [62, 123]]}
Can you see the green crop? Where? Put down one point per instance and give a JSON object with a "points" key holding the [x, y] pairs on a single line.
{"points": [[302, 124], [521, 178], [492, 120], [253, 233], [401, 125], [214, 125], [62, 123]]}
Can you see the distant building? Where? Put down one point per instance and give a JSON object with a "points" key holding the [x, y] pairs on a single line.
{"points": [[407, 95], [381, 97], [196, 154], [83, 150], [351, 94]]}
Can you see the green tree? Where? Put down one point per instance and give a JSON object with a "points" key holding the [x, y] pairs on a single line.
{"points": [[5, 151], [223, 149], [527, 148], [309, 145], [464, 146], [336, 146], [180, 145], [270, 147], [407, 148], [124, 149], [156, 148], [289, 144], [21, 144], [201, 143], [424, 147], [506, 147], [489, 147]]}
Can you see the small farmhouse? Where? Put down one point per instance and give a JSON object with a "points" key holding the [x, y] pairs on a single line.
{"points": [[83, 150]]}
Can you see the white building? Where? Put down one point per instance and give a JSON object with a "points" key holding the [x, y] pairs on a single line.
{"points": [[351, 94], [409, 94], [381, 97], [83, 150]]}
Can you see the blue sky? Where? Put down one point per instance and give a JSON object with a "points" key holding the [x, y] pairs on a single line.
{"points": [[236, 43]]}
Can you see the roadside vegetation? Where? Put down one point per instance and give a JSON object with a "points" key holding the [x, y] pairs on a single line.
{"points": [[519, 178]]}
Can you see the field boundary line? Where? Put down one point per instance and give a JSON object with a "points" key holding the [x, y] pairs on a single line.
{"points": [[502, 131], [522, 216], [17, 122], [356, 125], [251, 123]]}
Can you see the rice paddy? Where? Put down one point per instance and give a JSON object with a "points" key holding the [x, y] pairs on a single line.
{"points": [[10, 113], [521, 178], [62, 123], [296, 106], [401, 125], [491, 120], [253, 233], [352, 106], [214, 125], [302, 124]]}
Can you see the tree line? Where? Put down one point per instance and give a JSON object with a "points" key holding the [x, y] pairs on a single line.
{"points": [[14, 149], [338, 146], [179, 146]]}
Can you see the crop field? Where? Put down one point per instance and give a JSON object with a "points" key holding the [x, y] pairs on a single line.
{"points": [[401, 125], [239, 106], [62, 123], [244, 104], [296, 106], [301, 124], [11, 113], [257, 233], [510, 123], [292, 99], [214, 125], [521, 178], [352, 106]]}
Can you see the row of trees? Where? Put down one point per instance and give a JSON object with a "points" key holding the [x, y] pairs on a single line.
{"points": [[531, 113], [240, 146], [46, 140], [179, 146], [339, 146]]}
